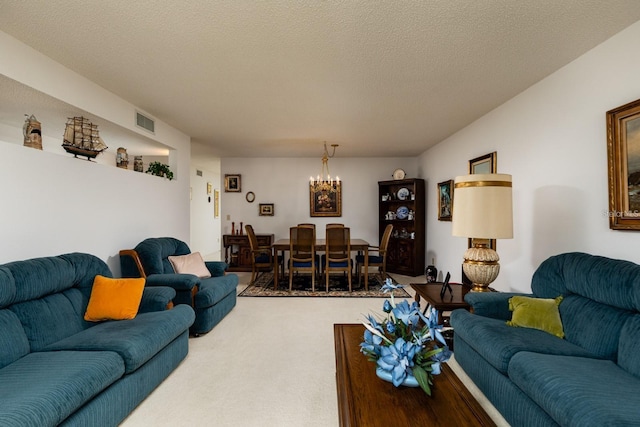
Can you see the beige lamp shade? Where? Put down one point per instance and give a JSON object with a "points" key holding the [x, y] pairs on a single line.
{"points": [[482, 206]]}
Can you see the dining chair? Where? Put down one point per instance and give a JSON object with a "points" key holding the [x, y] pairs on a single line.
{"points": [[302, 256], [379, 260], [337, 256], [262, 257], [334, 225], [317, 257]]}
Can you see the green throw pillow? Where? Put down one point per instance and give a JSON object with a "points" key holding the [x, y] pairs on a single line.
{"points": [[536, 313]]}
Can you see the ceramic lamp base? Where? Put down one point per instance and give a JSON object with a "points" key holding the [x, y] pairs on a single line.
{"points": [[481, 266]]}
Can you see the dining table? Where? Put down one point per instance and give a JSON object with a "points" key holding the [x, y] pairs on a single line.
{"points": [[357, 245]]}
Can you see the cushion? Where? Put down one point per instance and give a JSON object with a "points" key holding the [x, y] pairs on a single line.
{"points": [[114, 299], [190, 264], [536, 313]]}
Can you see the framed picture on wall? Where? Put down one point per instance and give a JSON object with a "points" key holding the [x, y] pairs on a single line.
{"points": [[326, 201], [484, 164], [445, 200], [623, 154], [216, 203], [266, 209], [232, 183]]}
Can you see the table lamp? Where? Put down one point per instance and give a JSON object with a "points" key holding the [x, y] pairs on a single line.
{"points": [[482, 209]]}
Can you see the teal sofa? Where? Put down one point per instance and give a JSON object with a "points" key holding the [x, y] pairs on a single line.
{"points": [[58, 369], [589, 378], [211, 298]]}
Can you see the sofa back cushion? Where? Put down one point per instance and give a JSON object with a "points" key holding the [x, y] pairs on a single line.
{"points": [[608, 281], [600, 294], [630, 346], [593, 326], [13, 340], [51, 294], [154, 254]]}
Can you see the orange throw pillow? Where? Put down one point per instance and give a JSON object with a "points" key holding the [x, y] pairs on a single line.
{"points": [[114, 299]]}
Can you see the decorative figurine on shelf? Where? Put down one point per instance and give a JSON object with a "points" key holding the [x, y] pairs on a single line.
{"points": [[138, 165], [122, 158], [432, 273], [32, 131], [81, 138], [233, 228], [240, 229]]}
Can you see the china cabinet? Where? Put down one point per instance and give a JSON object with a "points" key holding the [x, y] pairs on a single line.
{"points": [[402, 203]]}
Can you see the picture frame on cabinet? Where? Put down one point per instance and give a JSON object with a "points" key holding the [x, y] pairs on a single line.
{"points": [[232, 183], [623, 156], [484, 164], [445, 200], [325, 203], [266, 209]]}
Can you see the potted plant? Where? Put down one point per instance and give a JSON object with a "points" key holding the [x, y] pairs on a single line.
{"points": [[160, 169]]}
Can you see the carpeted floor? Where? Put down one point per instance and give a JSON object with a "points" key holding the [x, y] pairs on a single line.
{"points": [[338, 287]]}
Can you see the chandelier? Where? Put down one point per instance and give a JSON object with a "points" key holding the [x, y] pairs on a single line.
{"points": [[323, 182]]}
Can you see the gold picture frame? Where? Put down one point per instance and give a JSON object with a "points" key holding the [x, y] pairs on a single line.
{"points": [[445, 200], [623, 155], [232, 183], [326, 203], [216, 203], [266, 209], [484, 164]]}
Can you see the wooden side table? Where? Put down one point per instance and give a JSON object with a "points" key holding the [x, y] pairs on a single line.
{"points": [[450, 301]]}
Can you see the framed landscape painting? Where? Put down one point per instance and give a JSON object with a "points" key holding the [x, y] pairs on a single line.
{"points": [[623, 153]]}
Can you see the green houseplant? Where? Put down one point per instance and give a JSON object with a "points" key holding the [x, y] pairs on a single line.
{"points": [[160, 169]]}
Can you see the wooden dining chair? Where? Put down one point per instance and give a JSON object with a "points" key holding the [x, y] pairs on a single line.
{"points": [[262, 257], [317, 256], [337, 256], [379, 260], [302, 256]]}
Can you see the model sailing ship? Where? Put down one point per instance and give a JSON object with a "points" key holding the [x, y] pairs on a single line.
{"points": [[81, 138]]}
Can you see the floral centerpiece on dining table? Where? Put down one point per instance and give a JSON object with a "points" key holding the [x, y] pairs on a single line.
{"points": [[406, 351]]}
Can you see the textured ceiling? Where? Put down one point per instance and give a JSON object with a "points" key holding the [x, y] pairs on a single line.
{"points": [[276, 78]]}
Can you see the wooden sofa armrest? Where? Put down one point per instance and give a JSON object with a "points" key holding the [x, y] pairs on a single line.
{"points": [[136, 259]]}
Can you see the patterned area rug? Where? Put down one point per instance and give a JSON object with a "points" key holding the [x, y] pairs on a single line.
{"points": [[338, 287]]}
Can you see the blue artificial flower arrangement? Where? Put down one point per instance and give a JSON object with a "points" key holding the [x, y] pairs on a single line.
{"points": [[401, 347]]}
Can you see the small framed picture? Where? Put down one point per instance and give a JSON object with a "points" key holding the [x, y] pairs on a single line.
{"points": [[232, 183], [216, 203], [266, 209], [209, 187], [484, 164], [445, 200]]}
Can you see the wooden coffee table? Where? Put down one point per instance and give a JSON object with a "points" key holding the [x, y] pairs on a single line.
{"points": [[366, 400]]}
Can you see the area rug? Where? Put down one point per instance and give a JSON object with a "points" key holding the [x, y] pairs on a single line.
{"points": [[338, 287]]}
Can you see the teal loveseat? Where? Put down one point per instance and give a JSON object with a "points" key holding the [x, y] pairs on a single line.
{"points": [[212, 298], [58, 369], [589, 378]]}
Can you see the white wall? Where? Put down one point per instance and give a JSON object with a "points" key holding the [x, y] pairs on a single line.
{"points": [[285, 182], [206, 236], [52, 204], [552, 139]]}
